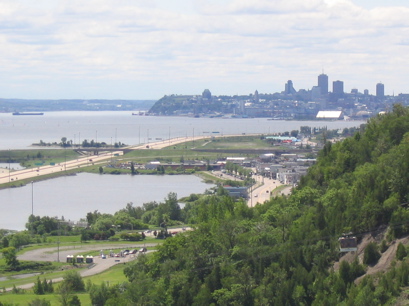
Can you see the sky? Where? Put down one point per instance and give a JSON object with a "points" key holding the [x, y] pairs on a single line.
{"points": [[145, 49]]}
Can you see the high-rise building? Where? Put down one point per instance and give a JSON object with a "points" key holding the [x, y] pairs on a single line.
{"points": [[289, 88], [380, 91], [256, 97], [338, 87], [323, 83]]}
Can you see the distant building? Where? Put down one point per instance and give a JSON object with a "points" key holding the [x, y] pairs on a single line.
{"points": [[366, 92], [323, 83], [207, 94], [316, 93], [380, 91], [329, 115], [289, 88], [338, 87], [256, 97], [337, 90], [237, 192]]}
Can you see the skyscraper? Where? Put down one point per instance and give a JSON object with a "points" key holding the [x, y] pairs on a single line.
{"points": [[289, 88], [380, 91], [323, 83], [338, 88]]}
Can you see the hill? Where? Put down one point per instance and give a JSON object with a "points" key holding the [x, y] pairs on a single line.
{"points": [[282, 252]]}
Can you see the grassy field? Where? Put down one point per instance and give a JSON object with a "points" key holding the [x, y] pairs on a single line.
{"points": [[54, 299], [112, 276], [237, 142]]}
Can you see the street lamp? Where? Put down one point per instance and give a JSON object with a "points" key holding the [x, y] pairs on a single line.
{"points": [[9, 165], [32, 198]]}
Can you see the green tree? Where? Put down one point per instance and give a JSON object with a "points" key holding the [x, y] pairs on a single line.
{"points": [[38, 302], [371, 254], [401, 252], [74, 301], [10, 257], [38, 287], [73, 281]]}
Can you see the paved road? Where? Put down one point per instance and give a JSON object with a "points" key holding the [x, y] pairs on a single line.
{"points": [[261, 191], [100, 265], [6, 177], [61, 167]]}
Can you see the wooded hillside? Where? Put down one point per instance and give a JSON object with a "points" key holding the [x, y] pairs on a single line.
{"points": [[281, 252]]}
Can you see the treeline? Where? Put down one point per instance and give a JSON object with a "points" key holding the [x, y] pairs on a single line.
{"points": [[281, 252], [65, 143]]}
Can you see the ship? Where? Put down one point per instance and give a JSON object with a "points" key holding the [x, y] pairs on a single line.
{"points": [[27, 114]]}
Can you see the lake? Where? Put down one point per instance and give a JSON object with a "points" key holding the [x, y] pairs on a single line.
{"points": [[74, 196]]}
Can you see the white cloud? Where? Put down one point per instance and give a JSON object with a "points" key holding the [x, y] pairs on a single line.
{"points": [[252, 45]]}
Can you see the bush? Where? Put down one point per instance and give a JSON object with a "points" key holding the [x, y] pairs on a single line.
{"points": [[401, 252], [371, 254], [73, 281]]}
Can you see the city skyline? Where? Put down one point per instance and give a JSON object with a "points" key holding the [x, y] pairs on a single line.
{"points": [[126, 49]]}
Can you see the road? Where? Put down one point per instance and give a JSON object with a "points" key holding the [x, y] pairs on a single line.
{"points": [[6, 177], [57, 168], [261, 191], [26, 174], [100, 265]]}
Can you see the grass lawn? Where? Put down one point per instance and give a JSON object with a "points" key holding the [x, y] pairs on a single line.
{"points": [[237, 142], [112, 276], [25, 298]]}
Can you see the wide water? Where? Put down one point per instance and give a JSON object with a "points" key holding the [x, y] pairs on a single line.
{"points": [[74, 196], [19, 132]]}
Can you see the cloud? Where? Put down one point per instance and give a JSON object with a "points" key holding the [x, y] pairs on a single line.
{"points": [[222, 42]]}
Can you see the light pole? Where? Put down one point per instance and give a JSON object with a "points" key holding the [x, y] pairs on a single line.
{"points": [[9, 165], [32, 198]]}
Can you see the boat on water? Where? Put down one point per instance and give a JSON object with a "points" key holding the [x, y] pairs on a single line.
{"points": [[27, 114]]}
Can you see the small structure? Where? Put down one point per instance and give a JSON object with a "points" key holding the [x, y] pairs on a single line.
{"points": [[70, 258], [334, 115], [237, 192], [89, 259], [80, 259], [348, 244]]}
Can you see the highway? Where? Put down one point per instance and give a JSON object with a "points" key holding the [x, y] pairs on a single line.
{"points": [[26, 174], [57, 168]]}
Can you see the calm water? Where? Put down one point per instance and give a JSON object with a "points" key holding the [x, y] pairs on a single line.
{"points": [[74, 196], [19, 132]]}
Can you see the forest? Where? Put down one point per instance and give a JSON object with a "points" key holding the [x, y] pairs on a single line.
{"points": [[283, 252]]}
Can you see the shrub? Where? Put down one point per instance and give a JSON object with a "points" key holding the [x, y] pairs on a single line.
{"points": [[401, 251], [74, 281], [371, 254]]}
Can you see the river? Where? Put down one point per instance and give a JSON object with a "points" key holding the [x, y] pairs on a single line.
{"points": [[74, 196], [20, 132]]}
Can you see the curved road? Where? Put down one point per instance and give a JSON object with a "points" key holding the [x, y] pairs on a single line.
{"points": [[100, 265]]}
